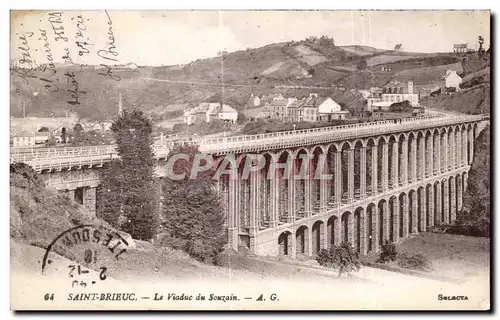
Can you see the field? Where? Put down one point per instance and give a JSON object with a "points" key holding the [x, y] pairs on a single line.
{"points": [[309, 56], [388, 58], [284, 69], [454, 257], [427, 75], [476, 100], [170, 123], [361, 50]]}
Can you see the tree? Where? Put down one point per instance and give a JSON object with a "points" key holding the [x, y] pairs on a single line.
{"points": [[343, 257], [51, 142], [43, 129], [64, 136], [222, 53], [480, 51], [388, 253], [403, 106], [78, 128], [362, 64], [242, 118], [312, 39], [326, 41], [192, 218], [127, 195]]}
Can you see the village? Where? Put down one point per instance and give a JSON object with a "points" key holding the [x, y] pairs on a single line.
{"points": [[395, 100]]}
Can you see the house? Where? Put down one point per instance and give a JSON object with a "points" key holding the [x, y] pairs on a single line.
{"points": [[41, 137], [460, 48], [209, 111], [330, 110], [131, 65], [452, 80], [317, 108], [57, 133], [279, 106], [87, 126], [195, 115], [228, 114], [23, 139], [212, 109], [310, 107], [97, 126], [296, 110], [393, 92], [264, 113], [254, 101]]}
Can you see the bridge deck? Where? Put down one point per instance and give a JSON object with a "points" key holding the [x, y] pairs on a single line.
{"points": [[65, 157]]}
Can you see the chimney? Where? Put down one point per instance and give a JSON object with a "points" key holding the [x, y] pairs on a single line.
{"points": [[120, 107], [410, 87]]}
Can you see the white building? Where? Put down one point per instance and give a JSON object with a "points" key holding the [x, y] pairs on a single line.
{"points": [[208, 111], [23, 139], [315, 108], [452, 80], [254, 101], [393, 92], [227, 113], [330, 110], [195, 115]]}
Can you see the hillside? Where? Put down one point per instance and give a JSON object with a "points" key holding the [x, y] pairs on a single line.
{"points": [[477, 197], [39, 214], [473, 101], [231, 78]]}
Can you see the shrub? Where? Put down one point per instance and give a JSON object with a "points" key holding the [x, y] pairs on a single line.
{"points": [[417, 261], [343, 257], [30, 179], [388, 253], [51, 142]]}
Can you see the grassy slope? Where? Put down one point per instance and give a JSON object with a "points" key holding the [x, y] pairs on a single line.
{"points": [[475, 100], [451, 256], [39, 214], [426, 75], [243, 67]]}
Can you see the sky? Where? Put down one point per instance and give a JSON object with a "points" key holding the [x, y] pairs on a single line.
{"points": [[178, 37]]}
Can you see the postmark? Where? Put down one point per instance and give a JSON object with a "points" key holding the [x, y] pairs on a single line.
{"points": [[93, 249]]}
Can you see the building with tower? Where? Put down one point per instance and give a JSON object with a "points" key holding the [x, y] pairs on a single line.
{"points": [[393, 92]]}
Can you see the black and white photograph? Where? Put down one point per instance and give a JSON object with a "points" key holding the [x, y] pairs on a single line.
{"points": [[250, 160]]}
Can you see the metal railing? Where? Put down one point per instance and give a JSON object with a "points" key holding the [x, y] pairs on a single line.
{"points": [[47, 158], [307, 136]]}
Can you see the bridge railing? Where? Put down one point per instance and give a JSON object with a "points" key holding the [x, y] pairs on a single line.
{"points": [[27, 154], [63, 153], [234, 143], [339, 131]]}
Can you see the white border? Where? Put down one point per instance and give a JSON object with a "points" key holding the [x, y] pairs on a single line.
{"points": [[180, 5]]}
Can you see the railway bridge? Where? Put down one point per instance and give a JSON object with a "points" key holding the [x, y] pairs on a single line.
{"points": [[384, 180]]}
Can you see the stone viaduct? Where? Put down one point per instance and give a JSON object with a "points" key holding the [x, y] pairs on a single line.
{"points": [[387, 180]]}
